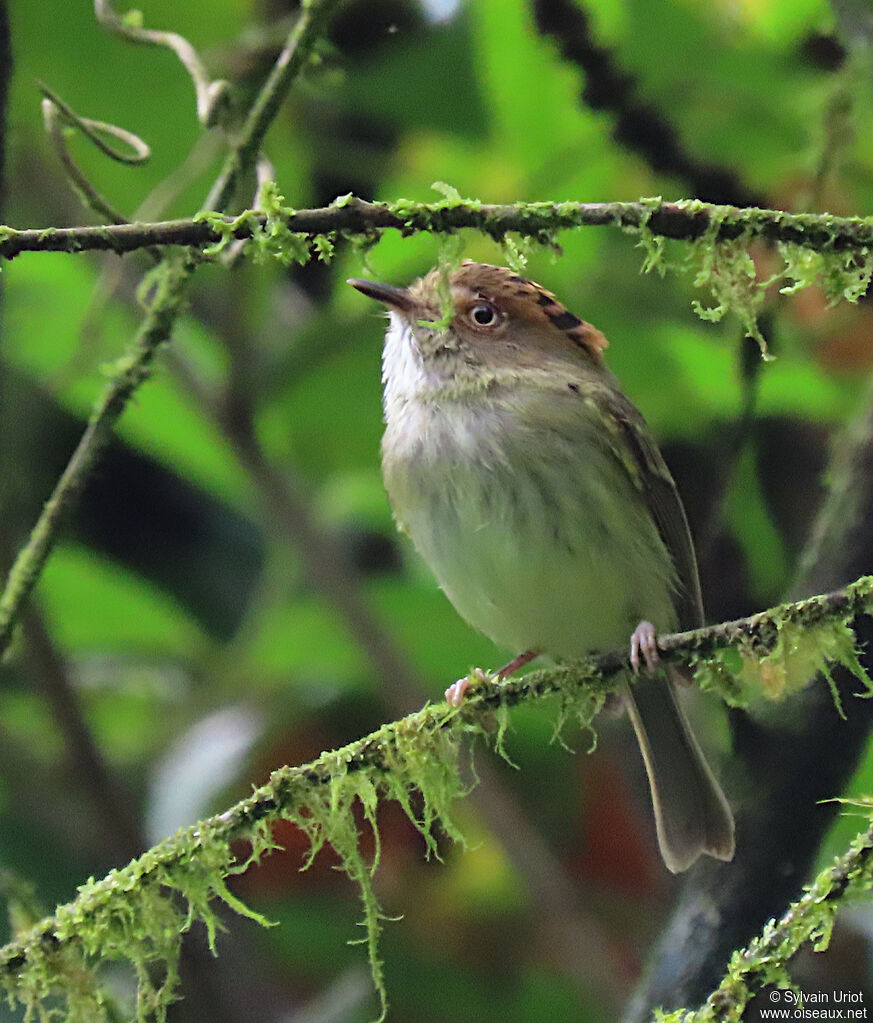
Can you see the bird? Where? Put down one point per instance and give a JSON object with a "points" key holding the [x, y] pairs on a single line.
{"points": [[533, 489]]}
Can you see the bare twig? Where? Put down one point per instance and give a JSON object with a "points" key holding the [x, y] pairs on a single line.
{"points": [[57, 114]]}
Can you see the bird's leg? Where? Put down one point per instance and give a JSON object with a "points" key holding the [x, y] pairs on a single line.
{"points": [[516, 663], [457, 691], [644, 640]]}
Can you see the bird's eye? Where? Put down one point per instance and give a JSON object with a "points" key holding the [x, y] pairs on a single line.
{"points": [[483, 314]]}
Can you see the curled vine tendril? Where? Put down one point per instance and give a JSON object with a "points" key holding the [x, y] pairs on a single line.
{"points": [[213, 97], [59, 118]]}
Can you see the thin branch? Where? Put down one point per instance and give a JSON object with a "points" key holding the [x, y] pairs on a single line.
{"points": [[314, 15], [639, 127], [686, 220], [98, 132], [291, 788], [132, 371], [58, 116], [134, 368]]}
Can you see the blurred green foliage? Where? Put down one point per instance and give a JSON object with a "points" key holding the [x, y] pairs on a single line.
{"points": [[177, 593]]}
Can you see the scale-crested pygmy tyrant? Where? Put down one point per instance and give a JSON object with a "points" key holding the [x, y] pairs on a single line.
{"points": [[533, 489]]}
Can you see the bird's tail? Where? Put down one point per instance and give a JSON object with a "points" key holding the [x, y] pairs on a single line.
{"points": [[692, 815]]}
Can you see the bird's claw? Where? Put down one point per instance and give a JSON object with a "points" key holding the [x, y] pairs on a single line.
{"points": [[457, 691], [644, 640]]}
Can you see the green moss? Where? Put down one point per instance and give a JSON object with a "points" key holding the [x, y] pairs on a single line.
{"points": [[790, 646], [720, 674], [139, 913], [499, 739], [412, 759], [324, 247], [577, 708], [798, 656], [540, 222], [451, 252], [516, 251], [226, 229], [840, 274], [808, 921], [132, 18], [275, 240], [451, 195], [727, 271], [725, 268], [435, 217], [270, 236], [653, 245]]}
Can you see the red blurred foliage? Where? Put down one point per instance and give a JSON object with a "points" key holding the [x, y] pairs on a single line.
{"points": [[613, 849], [280, 871]]}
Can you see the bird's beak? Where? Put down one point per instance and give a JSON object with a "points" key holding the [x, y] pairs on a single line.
{"points": [[388, 294]]}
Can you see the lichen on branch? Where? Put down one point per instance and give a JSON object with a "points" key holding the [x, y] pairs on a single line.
{"points": [[833, 252], [809, 920], [138, 913], [685, 220]]}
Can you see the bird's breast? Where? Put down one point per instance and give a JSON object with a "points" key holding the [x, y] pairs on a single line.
{"points": [[530, 523]]}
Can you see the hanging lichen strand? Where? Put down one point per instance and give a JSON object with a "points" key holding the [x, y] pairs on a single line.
{"points": [[138, 914]]}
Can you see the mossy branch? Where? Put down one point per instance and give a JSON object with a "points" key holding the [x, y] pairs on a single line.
{"points": [[169, 285], [130, 371], [810, 919], [833, 252], [138, 913], [687, 220]]}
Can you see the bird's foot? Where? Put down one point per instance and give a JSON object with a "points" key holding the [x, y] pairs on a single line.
{"points": [[457, 691], [644, 640]]}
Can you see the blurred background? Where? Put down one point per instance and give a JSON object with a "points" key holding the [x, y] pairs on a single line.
{"points": [[232, 595]]}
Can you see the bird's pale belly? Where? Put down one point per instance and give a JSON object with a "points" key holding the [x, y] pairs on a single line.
{"points": [[533, 548]]}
